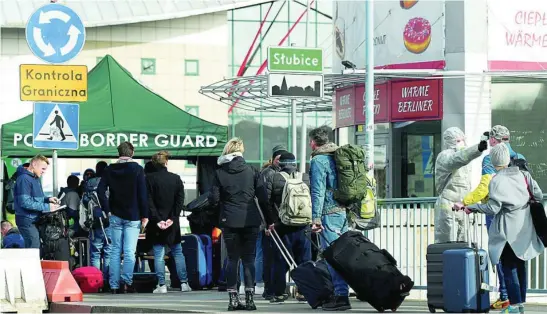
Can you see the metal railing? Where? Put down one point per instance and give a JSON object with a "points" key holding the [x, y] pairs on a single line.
{"points": [[408, 228]]}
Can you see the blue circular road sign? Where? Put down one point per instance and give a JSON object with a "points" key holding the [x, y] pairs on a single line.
{"points": [[55, 33]]}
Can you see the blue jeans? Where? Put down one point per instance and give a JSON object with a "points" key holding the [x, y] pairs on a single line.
{"points": [[499, 269], [124, 232], [298, 246], [29, 232], [333, 225], [159, 262], [516, 280], [259, 261], [99, 245]]}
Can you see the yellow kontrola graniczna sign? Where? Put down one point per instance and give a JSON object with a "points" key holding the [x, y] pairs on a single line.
{"points": [[46, 82]]}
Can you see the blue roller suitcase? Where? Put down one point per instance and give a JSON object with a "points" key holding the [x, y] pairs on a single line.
{"points": [[208, 246], [464, 272], [196, 261]]}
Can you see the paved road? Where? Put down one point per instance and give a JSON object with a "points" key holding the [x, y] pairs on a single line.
{"points": [[210, 302]]}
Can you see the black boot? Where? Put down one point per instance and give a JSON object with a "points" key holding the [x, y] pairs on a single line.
{"points": [[337, 303], [249, 302], [235, 303]]}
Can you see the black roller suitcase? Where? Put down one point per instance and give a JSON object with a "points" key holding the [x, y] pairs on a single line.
{"points": [[434, 262]]}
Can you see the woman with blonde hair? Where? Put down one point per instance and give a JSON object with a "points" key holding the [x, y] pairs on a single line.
{"points": [[512, 238], [165, 201], [235, 186]]}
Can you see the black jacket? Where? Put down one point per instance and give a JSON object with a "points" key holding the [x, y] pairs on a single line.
{"points": [[234, 187], [274, 186], [127, 187], [165, 201]]}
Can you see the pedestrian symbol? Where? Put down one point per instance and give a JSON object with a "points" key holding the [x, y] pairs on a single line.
{"points": [[56, 126], [55, 33]]}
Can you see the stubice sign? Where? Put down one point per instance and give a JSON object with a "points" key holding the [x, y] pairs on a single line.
{"points": [[137, 139]]}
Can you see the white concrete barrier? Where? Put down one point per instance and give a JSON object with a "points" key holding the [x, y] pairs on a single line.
{"points": [[22, 286]]}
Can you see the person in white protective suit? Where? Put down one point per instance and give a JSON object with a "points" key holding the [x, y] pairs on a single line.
{"points": [[453, 182]]}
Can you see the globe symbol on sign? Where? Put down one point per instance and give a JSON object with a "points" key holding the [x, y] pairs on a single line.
{"points": [[55, 33]]}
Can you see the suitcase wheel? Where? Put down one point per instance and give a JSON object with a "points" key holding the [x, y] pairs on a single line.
{"points": [[431, 309]]}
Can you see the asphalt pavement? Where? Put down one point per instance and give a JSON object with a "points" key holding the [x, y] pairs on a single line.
{"points": [[213, 302]]}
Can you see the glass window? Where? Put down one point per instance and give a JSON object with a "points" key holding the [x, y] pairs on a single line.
{"points": [[191, 67], [521, 106], [247, 127], [275, 132], [420, 156], [148, 66]]}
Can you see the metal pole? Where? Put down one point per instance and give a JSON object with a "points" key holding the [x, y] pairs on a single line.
{"points": [[293, 125], [303, 135], [54, 166], [369, 86], [294, 146], [303, 143]]}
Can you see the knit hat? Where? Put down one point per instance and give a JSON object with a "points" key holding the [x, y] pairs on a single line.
{"points": [[278, 149], [500, 133], [500, 156], [287, 158]]}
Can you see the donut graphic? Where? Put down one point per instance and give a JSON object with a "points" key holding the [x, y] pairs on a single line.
{"points": [[407, 4], [417, 35]]}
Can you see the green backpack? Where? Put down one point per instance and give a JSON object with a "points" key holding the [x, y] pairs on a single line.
{"points": [[351, 171]]}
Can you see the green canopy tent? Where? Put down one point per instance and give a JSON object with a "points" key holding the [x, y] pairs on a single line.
{"points": [[120, 109]]}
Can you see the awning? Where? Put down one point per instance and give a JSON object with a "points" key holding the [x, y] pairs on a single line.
{"points": [[251, 92]]}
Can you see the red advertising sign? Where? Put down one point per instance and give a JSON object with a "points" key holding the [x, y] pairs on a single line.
{"points": [[343, 106], [416, 100], [380, 104]]}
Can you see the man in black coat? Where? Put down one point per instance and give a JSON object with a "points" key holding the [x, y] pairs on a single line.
{"points": [[294, 238]]}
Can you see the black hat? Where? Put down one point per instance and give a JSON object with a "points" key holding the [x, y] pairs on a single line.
{"points": [[278, 149], [287, 158]]}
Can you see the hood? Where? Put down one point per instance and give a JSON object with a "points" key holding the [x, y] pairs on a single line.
{"points": [[327, 149], [88, 170], [124, 168], [290, 168], [13, 230], [227, 158], [236, 165], [450, 137], [66, 190], [20, 170]]}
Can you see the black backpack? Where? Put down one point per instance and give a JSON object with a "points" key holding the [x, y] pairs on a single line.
{"points": [[520, 162], [53, 228]]}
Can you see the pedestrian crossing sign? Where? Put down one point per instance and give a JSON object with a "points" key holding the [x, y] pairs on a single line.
{"points": [[56, 125]]}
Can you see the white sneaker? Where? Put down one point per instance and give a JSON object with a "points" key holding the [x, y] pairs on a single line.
{"points": [[184, 287], [259, 288], [160, 289], [241, 290]]}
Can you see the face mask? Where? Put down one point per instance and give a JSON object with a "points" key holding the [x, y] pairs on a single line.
{"points": [[460, 145]]}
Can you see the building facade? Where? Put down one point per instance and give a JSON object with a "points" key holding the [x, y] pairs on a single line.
{"points": [[478, 40], [172, 57], [261, 131]]}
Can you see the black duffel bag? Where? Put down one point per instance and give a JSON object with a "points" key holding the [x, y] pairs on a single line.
{"points": [[371, 272], [201, 203]]}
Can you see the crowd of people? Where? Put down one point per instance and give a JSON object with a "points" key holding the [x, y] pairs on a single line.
{"points": [[152, 198]]}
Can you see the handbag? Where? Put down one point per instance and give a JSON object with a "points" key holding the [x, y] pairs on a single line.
{"points": [[539, 218]]}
